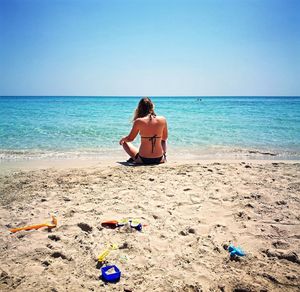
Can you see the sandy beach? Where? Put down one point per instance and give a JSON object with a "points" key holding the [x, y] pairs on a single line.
{"points": [[210, 87], [190, 211]]}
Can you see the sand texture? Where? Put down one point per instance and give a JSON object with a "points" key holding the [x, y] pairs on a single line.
{"points": [[192, 212]]}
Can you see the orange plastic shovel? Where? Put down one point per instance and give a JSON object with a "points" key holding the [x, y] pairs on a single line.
{"points": [[51, 225]]}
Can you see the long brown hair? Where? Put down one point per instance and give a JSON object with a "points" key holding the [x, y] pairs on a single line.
{"points": [[144, 108]]}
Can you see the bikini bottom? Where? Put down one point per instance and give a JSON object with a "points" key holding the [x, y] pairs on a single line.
{"points": [[146, 160]]}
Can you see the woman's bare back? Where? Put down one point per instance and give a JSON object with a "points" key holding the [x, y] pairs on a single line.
{"points": [[152, 130]]}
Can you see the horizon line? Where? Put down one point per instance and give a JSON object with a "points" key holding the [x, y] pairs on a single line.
{"points": [[149, 95]]}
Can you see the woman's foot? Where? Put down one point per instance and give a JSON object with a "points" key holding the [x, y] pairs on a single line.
{"points": [[130, 160]]}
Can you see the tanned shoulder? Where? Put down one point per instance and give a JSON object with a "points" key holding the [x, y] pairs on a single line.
{"points": [[161, 118]]}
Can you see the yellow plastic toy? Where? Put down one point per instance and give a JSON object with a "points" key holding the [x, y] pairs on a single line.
{"points": [[106, 252], [51, 225]]}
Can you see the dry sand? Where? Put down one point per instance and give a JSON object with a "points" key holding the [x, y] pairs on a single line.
{"points": [[192, 211]]}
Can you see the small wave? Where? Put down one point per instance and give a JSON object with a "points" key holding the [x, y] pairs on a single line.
{"points": [[183, 152], [227, 152]]}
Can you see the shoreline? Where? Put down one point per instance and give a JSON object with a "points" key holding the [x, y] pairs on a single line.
{"points": [[183, 151], [11, 160], [65, 164]]}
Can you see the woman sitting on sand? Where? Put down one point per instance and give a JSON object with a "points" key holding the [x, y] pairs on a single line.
{"points": [[154, 133]]}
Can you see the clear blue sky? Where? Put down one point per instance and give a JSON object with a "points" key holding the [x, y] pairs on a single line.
{"points": [[149, 47]]}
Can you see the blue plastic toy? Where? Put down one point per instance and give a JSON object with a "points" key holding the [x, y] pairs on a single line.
{"points": [[235, 251], [111, 273], [138, 226]]}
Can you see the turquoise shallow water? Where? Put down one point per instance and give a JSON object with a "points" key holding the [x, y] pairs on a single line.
{"points": [[94, 124]]}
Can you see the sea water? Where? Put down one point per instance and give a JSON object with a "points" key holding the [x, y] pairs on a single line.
{"points": [[66, 126]]}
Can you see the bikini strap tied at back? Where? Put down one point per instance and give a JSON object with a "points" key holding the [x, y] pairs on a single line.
{"points": [[152, 140]]}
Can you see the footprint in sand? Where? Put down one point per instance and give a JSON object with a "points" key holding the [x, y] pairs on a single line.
{"points": [[241, 215], [218, 230], [171, 223], [280, 244], [124, 192], [195, 198]]}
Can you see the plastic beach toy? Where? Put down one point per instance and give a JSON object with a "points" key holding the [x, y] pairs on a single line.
{"points": [[111, 273], [106, 252], [133, 223], [51, 225], [136, 224], [235, 251]]}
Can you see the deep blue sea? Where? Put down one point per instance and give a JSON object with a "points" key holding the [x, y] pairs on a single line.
{"points": [[60, 126]]}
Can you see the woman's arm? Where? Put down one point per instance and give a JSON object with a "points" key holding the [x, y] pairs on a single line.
{"points": [[164, 138], [133, 133], [164, 146]]}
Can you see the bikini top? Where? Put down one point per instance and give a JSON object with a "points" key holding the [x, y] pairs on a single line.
{"points": [[152, 140]]}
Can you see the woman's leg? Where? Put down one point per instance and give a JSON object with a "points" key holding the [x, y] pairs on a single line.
{"points": [[130, 149]]}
